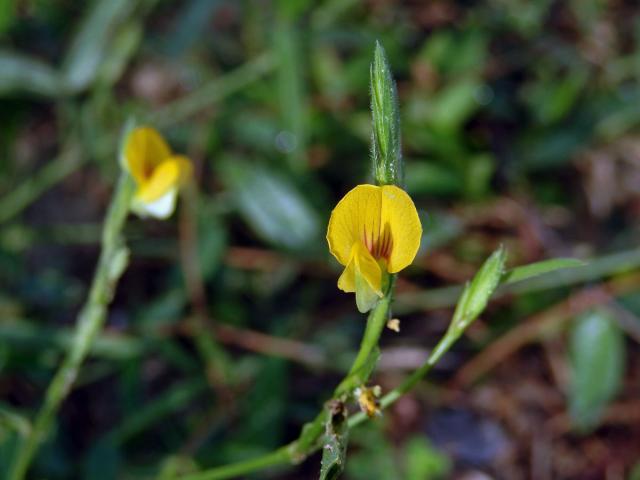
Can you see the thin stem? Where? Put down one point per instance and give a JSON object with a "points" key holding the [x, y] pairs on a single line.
{"points": [[280, 456], [33, 187], [208, 347], [215, 90], [596, 268], [390, 398], [358, 373], [298, 450], [111, 264], [309, 439]]}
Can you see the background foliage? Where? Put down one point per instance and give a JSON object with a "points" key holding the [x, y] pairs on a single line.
{"points": [[519, 125]]}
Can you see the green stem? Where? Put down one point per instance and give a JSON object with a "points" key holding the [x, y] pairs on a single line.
{"points": [[358, 373], [33, 187], [595, 269], [112, 263], [280, 456], [440, 349], [214, 91], [309, 439], [302, 447]]}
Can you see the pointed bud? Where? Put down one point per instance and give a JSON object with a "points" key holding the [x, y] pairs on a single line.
{"points": [[385, 139]]}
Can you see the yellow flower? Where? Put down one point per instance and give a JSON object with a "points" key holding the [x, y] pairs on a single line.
{"points": [[373, 231], [157, 172]]}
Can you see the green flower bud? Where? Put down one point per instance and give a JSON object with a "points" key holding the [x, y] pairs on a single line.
{"points": [[385, 139]]}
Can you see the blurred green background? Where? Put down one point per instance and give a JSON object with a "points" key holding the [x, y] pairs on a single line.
{"points": [[520, 124]]}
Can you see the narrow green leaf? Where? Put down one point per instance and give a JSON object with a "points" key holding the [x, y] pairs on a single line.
{"points": [[92, 42], [476, 295], [454, 104], [20, 73], [526, 272], [271, 205], [292, 139], [597, 352], [123, 47]]}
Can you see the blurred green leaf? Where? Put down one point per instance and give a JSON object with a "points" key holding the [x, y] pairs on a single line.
{"points": [[212, 241], [174, 399], [478, 173], [427, 177], [290, 87], [11, 420], [7, 14], [20, 73], [9, 441], [192, 22], [456, 54], [271, 205], [176, 465], [92, 42], [525, 17], [545, 149], [635, 472], [423, 461], [124, 46], [454, 104], [552, 98], [102, 462], [328, 70], [373, 456], [438, 229], [263, 408], [532, 270], [30, 336], [597, 356]]}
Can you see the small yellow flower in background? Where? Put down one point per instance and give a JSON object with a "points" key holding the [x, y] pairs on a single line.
{"points": [[157, 172], [373, 231]]}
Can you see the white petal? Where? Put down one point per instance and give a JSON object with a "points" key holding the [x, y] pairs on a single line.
{"points": [[161, 208]]}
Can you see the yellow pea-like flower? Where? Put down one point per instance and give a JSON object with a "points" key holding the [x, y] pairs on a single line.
{"points": [[158, 173], [373, 231]]}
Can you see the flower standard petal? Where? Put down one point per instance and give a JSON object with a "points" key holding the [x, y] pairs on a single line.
{"points": [[356, 218], [144, 150], [400, 226]]}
